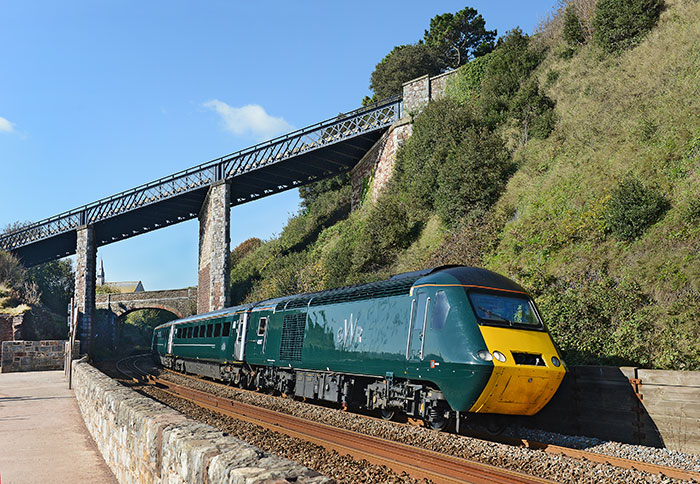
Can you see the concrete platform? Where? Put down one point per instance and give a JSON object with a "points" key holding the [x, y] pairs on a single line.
{"points": [[43, 438]]}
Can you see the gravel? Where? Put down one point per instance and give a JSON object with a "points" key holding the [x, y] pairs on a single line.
{"points": [[534, 462], [652, 455]]}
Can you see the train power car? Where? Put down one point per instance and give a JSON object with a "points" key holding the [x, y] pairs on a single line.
{"points": [[429, 344]]}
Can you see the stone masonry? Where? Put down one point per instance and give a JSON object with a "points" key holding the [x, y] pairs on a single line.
{"points": [[373, 171], [32, 355], [214, 248], [85, 266], [143, 441], [11, 327], [180, 302]]}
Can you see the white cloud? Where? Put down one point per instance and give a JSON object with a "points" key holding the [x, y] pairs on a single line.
{"points": [[249, 120], [6, 126]]}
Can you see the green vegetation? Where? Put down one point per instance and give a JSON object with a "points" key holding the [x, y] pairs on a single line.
{"points": [[403, 63], [573, 171], [42, 293], [460, 37], [632, 208], [451, 41], [621, 24], [136, 331]]}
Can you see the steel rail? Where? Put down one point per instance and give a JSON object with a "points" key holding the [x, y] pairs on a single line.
{"points": [[580, 454], [417, 462]]}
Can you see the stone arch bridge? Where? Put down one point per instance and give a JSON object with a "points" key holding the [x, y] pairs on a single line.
{"points": [[112, 308]]}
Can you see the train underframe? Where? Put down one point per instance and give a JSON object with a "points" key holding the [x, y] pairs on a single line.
{"points": [[388, 396]]}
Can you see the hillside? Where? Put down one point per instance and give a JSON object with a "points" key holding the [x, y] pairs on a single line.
{"points": [[571, 169]]}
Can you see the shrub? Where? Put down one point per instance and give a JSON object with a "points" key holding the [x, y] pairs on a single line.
{"points": [[533, 110], [510, 65], [632, 208], [621, 24], [244, 248], [472, 176], [436, 132], [386, 230], [572, 30]]}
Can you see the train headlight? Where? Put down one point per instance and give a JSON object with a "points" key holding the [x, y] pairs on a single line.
{"points": [[555, 361], [484, 355], [499, 356]]}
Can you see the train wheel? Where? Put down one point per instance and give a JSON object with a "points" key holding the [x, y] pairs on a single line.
{"points": [[387, 414], [495, 424], [439, 424]]}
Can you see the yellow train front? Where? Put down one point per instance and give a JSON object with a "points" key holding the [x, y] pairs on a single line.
{"points": [[482, 343]]}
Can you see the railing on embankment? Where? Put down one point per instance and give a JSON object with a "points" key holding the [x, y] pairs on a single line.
{"points": [[625, 404]]}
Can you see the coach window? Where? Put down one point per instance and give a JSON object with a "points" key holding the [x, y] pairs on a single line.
{"points": [[197, 330], [217, 330], [210, 330], [227, 329], [262, 326]]}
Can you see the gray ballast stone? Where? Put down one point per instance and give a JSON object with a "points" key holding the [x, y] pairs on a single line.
{"points": [[144, 441]]}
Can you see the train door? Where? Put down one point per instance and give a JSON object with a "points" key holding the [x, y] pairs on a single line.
{"points": [[241, 331], [171, 332], [420, 306]]}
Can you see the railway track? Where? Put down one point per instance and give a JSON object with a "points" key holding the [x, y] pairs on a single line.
{"points": [[417, 462]]}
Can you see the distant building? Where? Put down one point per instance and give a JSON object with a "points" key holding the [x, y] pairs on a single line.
{"points": [[115, 287]]}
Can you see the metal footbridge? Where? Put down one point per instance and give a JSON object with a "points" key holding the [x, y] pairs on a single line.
{"points": [[289, 161]]}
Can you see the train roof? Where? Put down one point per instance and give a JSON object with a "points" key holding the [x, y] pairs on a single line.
{"points": [[399, 284]]}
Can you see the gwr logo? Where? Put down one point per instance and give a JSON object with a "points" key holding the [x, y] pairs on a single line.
{"points": [[350, 335]]}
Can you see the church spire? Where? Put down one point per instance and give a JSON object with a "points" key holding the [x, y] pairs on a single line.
{"points": [[101, 274]]}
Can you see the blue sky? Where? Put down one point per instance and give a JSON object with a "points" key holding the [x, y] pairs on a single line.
{"points": [[100, 96]]}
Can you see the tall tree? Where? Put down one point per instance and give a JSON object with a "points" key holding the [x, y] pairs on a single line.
{"points": [[403, 63], [460, 36]]}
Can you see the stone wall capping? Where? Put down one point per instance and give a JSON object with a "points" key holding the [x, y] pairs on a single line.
{"points": [[143, 441], [413, 81]]}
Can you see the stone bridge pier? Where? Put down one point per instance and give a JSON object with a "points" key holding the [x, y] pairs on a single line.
{"points": [[213, 278]]}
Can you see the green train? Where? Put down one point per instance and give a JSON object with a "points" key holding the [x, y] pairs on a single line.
{"points": [[430, 344]]}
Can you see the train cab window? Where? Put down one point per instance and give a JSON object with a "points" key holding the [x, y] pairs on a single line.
{"points": [[262, 326], [226, 329], [441, 309], [497, 310], [210, 330], [217, 330]]}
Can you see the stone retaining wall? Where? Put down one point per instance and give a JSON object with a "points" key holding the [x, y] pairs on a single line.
{"points": [[143, 441], [33, 355]]}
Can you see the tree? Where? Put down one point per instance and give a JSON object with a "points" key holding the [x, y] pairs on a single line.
{"points": [[461, 36], [402, 64], [56, 281]]}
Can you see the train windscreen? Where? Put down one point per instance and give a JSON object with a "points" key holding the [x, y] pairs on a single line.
{"points": [[501, 310]]}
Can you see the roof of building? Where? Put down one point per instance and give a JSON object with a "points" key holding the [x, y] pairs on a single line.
{"points": [[125, 287]]}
